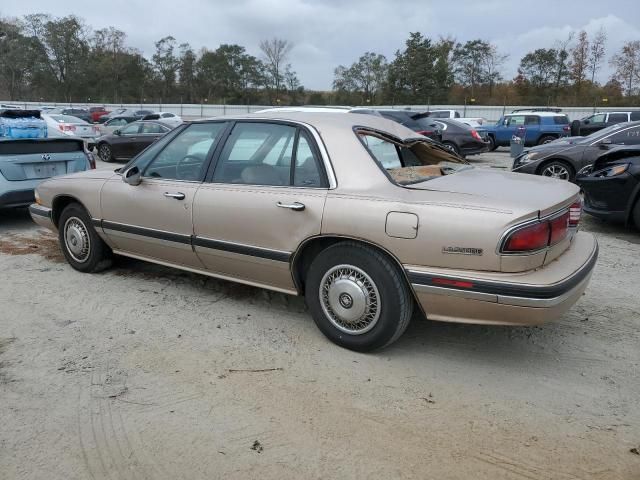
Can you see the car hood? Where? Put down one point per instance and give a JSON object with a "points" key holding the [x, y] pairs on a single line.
{"points": [[512, 191]]}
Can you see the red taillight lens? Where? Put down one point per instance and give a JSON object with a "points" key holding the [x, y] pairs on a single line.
{"points": [[566, 128], [533, 237], [559, 228], [575, 211], [67, 128], [426, 133], [475, 135]]}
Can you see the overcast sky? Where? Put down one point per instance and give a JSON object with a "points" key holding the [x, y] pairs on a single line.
{"points": [[327, 33]]}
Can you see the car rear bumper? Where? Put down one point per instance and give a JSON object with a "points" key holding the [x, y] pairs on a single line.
{"points": [[17, 198], [526, 298], [42, 216]]}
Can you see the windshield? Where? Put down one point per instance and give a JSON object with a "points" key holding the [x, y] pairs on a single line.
{"points": [[412, 160], [601, 133]]}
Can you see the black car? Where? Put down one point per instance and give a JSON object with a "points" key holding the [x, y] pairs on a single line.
{"points": [[461, 138], [128, 141], [417, 122], [612, 186], [598, 121], [565, 157]]}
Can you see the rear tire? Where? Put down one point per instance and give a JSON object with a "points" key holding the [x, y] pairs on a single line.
{"points": [[105, 153], [453, 147], [546, 139], [557, 169], [358, 297], [82, 247], [492, 143]]}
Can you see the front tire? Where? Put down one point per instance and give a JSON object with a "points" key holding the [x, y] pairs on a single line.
{"points": [[82, 247], [358, 297], [453, 148], [635, 215], [105, 153], [557, 169]]}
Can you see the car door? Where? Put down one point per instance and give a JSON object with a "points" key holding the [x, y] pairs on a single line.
{"points": [[123, 143], [264, 198], [149, 133], [624, 136], [154, 218], [593, 124], [533, 129], [615, 118]]}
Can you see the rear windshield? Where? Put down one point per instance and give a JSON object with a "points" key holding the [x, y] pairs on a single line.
{"points": [[27, 147], [561, 120], [410, 161], [67, 119]]}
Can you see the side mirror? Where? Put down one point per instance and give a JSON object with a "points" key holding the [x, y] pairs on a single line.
{"points": [[132, 176], [604, 144], [117, 132], [587, 122]]}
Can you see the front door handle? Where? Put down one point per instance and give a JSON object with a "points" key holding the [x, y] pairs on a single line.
{"points": [[297, 206], [176, 195]]}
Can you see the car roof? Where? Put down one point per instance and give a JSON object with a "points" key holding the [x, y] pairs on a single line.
{"points": [[318, 109], [540, 114], [325, 121]]}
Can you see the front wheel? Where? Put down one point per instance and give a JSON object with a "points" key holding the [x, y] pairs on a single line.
{"points": [[557, 169], [452, 147], [546, 139], [82, 247], [358, 297]]}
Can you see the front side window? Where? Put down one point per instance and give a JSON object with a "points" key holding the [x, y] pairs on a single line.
{"points": [[116, 122], [515, 120], [257, 154], [132, 129], [186, 156], [629, 136], [152, 128], [599, 118]]}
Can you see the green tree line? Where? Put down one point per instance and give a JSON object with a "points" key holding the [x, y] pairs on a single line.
{"points": [[62, 59]]}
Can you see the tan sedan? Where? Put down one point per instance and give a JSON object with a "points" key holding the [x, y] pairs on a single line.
{"points": [[357, 213]]}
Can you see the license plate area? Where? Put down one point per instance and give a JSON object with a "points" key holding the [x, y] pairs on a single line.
{"points": [[44, 170]]}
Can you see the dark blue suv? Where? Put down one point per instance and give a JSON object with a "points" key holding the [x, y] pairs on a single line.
{"points": [[539, 128]]}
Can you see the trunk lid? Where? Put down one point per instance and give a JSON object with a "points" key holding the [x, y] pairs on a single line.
{"points": [[506, 190], [43, 158]]}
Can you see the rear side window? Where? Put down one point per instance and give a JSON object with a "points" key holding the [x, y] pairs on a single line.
{"points": [[561, 120], [532, 120], [635, 116], [618, 117], [152, 128]]}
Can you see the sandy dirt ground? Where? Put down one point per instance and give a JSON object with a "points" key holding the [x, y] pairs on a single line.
{"points": [[144, 372]]}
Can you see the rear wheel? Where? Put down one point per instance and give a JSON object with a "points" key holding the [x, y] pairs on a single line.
{"points": [[452, 147], [492, 143], [358, 297], [557, 169], [546, 139], [82, 247], [105, 153]]}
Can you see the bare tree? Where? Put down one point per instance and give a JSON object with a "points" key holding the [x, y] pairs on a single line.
{"points": [[596, 53], [276, 52], [627, 66], [579, 59]]}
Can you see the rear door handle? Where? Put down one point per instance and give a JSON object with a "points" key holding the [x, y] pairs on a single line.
{"points": [[297, 206], [176, 195]]}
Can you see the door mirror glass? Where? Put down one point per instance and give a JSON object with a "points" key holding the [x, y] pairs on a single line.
{"points": [[117, 131], [587, 121], [132, 176]]}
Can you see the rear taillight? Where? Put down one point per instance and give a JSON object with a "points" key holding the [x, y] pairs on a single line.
{"points": [[426, 133], [475, 135], [67, 128], [559, 228], [92, 160], [526, 239], [566, 128], [575, 211], [541, 234]]}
